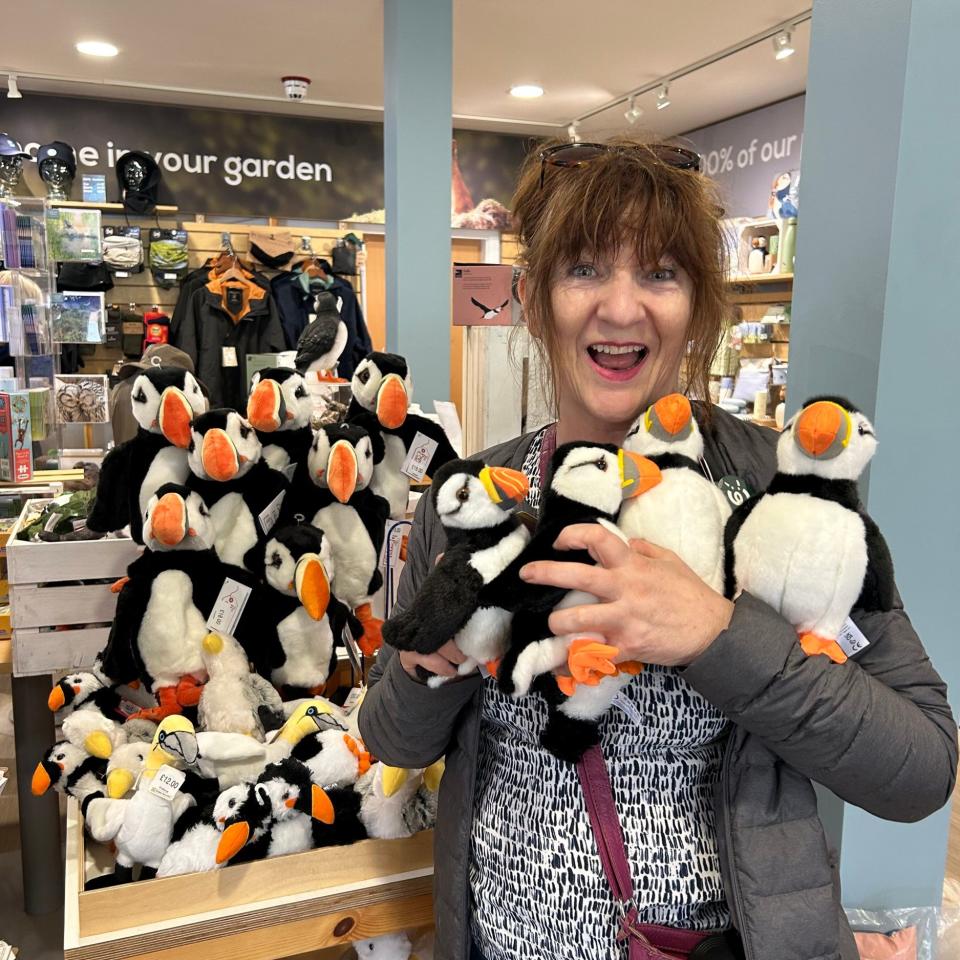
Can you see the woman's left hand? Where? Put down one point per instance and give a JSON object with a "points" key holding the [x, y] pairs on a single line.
{"points": [[653, 607]]}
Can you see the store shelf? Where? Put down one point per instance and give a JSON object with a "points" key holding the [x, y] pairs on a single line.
{"points": [[762, 278], [106, 207]]}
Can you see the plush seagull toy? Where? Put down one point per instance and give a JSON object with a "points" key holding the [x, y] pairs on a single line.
{"points": [[458, 599], [124, 766], [164, 401], [806, 546], [382, 389], [322, 340], [279, 409], [685, 513], [396, 802], [243, 494]]}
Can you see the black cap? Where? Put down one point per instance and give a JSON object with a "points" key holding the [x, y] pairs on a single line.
{"points": [[10, 148], [58, 150]]}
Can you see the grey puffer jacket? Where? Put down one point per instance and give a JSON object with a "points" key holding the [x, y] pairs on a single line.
{"points": [[877, 731]]}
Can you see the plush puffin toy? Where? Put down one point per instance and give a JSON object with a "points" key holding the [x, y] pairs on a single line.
{"points": [[69, 770], [458, 599], [279, 409], [685, 513], [333, 758], [243, 494], [164, 400], [351, 516], [322, 340], [806, 546], [382, 389]]}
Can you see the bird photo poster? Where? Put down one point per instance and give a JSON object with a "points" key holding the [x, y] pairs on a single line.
{"points": [[482, 295]]}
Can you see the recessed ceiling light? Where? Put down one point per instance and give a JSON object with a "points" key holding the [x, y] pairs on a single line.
{"points": [[782, 45], [526, 91], [97, 48]]}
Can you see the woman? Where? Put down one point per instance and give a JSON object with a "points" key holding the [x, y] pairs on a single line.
{"points": [[712, 754]]}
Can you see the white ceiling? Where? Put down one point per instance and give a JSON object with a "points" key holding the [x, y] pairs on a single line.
{"points": [[583, 53]]}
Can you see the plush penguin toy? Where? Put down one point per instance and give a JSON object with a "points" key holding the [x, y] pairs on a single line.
{"points": [[382, 389], [685, 513], [351, 516], [69, 770], [279, 409], [164, 401], [243, 494], [322, 340], [806, 546], [458, 599]]}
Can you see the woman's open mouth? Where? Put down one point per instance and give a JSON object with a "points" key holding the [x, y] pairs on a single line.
{"points": [[617, 361]]}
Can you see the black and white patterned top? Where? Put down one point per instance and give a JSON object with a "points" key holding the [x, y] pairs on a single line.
{"points": [[536, 882]]}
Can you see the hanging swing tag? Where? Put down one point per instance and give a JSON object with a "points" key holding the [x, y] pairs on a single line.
{"points": [[269, 515], [418, 457], [228, 357], [289, 470], [228, 609], [166, 782], [354, 699]]}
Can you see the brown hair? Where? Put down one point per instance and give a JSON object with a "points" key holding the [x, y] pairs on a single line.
{"points": [[624, 196]]}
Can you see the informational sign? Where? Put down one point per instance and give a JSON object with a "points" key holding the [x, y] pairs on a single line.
{"points": [[94, 188], [482, 294]]}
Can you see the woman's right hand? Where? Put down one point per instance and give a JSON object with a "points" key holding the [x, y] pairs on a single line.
{"points": [[444, 662]]}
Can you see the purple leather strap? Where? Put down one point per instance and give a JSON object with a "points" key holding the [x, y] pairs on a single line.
{"points": [[548, 447]]}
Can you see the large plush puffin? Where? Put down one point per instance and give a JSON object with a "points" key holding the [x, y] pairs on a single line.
{"points": [[279, 409], [351, 516], [323, 339], [806, 546], [164, 401], [382, 389], [685, 513], [244, 495], [458, 598]]}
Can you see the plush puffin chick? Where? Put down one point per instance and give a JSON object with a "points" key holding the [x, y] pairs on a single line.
{"points": [[458, 597], [685, 513], [806, 546], [234, 699], [322, 341], [164, 401], [334, 758], [69, 770], [279, 409], [395, 802]]}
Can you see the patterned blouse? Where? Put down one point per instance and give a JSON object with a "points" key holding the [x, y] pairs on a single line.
{"points": [[536, 882]]}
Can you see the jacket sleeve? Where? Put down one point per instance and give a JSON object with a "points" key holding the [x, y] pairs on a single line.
{"points": [[404, 722], [877, 730], [272, 339]]}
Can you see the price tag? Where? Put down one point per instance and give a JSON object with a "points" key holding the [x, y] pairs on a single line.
{"points": [[123, 274], [166, 782], [418, 457], [169, 276], [228, 357], [354, 699], [851, 639], [268, 516], [228, 609], [627, 707], [735, 490], [127, 708]]}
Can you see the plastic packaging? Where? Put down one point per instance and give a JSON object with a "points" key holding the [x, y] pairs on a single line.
{"points": [[910, 933]]}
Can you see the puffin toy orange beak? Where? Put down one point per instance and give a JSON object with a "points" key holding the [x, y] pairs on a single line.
{"points": [[175, 416], [219, 456], [342, 470], [392, 402], [266, 408]]}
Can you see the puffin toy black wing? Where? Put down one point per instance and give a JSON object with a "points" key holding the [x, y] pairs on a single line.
{"points": [[323, 339], [474, 504], [279, 409], [806, 546], [382, 387], [164, 401]]}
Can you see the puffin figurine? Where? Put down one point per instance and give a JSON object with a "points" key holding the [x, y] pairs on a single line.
{"points": [[164, 401], [685, 513], [323, 339], [458, 599], [352, 517], [243, 494], [806, 546], [382, 389], [279, 409]]}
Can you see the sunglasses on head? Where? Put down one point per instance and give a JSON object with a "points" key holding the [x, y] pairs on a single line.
{"points": [[568, 155]]}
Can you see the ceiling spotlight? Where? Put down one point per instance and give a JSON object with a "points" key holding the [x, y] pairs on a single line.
{"points": [[13, 91], [663, 97], [782, 45], [97, 48], [573, 131], [526, 91], [634, 113]]}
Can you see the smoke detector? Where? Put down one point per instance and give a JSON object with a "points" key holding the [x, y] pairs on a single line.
{"points": [[295, 87]]}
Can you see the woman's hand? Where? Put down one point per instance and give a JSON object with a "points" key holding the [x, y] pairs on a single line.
{"points": [[653, 607], [444, 662]]}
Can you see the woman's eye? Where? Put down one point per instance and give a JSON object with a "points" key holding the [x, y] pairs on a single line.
{"points": [[583, 271], [663, 273]]}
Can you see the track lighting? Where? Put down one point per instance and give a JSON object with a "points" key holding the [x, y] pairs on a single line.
{"points": [[634, 113], [663, 97], [782, 45], [13, 91], [573, 132]]}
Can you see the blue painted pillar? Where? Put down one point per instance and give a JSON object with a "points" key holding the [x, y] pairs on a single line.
{"points": [[417, 82], [875, 318]]}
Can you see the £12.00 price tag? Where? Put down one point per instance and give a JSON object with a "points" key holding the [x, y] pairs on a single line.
{"points": [[166, 782]]}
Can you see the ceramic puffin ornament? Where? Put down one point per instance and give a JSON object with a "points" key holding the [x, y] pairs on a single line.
{"points": [[806, 546], [279, 409], [323, 339], [382, 388], [164, 401]]}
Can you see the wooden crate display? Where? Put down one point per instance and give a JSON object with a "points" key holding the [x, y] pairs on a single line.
{"points": [[45, 594], [253, 911]]}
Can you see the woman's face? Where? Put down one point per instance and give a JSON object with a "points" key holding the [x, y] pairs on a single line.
{"points": [[621, 329]]}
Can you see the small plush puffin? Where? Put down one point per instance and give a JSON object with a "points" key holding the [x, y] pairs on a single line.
{"points": [[382, 390], [686, 513], [243, 494], [351, 516], [806, 546], [458, 598], [333, 757], [323, 339], [69, 770], [164, 400], [279, 409]]}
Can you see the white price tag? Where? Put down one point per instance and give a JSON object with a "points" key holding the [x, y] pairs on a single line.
{"points": [[166, 782], [354, 699], [228, 609], [627, 707], [418, 457], [228, 357], [169, 276], [122, 274], [851, 639], [268, 516]]}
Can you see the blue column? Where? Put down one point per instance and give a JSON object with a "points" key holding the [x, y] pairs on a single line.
{"points": [[417, 82], [875, 318]]}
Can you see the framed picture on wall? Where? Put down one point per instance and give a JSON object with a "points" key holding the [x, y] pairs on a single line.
{"points": [[81, 399]]}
